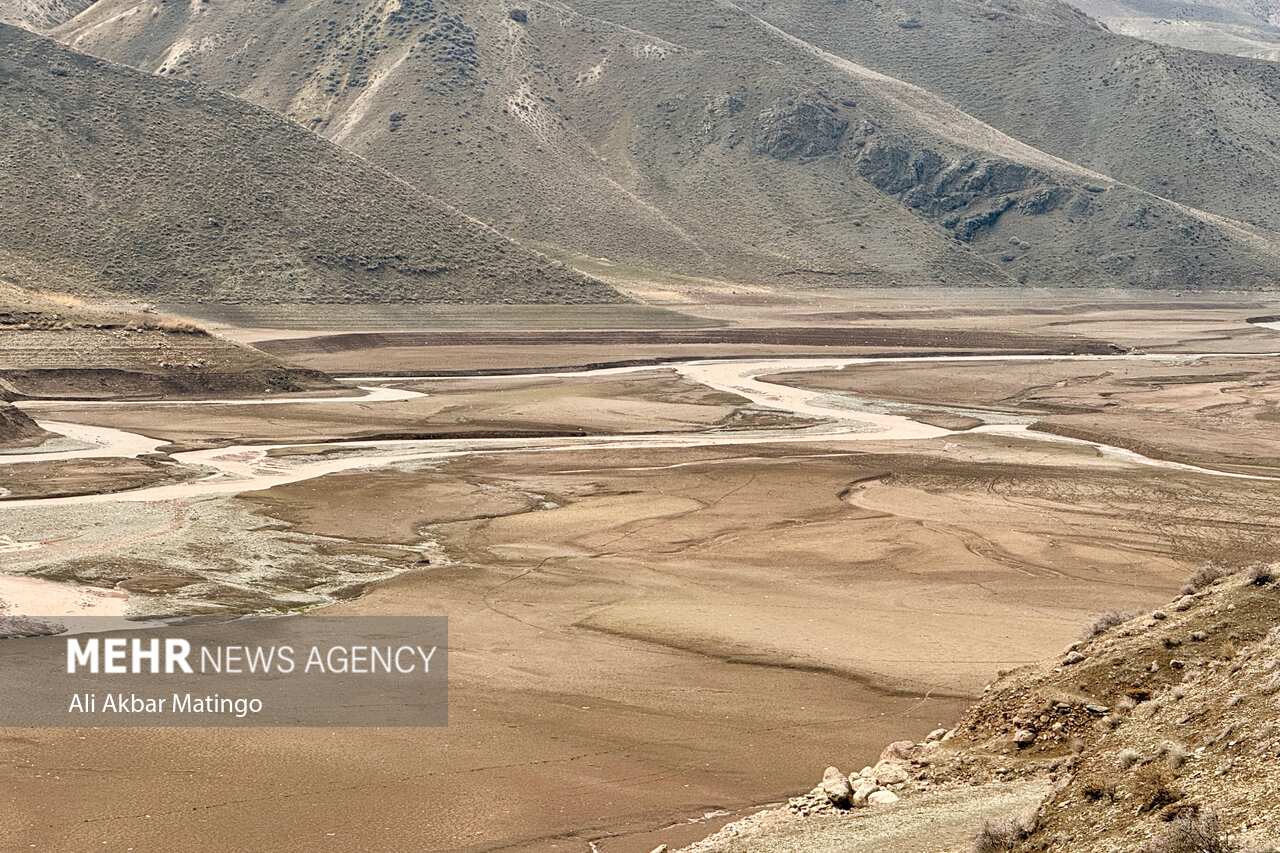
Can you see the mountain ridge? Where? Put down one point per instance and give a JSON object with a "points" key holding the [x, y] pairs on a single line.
{"points": [[166, 190]]}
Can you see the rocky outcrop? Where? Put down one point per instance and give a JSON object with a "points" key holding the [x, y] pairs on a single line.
{"points": [[967, 195], [800, 128]]}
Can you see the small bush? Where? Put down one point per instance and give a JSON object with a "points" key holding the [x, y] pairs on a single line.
{"points": [[1100, 788], [1127, 758], [1155, 787], [1172, 754], [1192, 832], [1106, 621], [1204, 576], [999, 835], [1260, 574]]}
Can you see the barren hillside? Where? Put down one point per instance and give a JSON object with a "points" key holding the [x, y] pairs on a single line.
{"points": [[703, 139], [1196, 128], [1240, 27], [1156, 734], [157, 188], [40, 14]]}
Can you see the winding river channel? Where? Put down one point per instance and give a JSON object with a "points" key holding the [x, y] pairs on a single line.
{"points": [[253, 467], [241, 468]]}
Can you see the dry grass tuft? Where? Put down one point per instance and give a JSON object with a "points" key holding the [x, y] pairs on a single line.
{"points": [[1155, 787], [1192, 832], [1204, 576], [1000, 834], [1260, 574], [1106, 621]]}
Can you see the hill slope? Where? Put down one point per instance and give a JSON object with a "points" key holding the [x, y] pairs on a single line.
{"points": [[1197, 128], [159, 188], [687, 139], [1239, 27], [40, 14]]}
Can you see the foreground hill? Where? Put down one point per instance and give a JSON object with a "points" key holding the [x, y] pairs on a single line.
{"points": [[1155, 735], [157, 188], [691, 139]]}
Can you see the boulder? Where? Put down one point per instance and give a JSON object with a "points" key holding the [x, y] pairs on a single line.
{"points": [[1074, 657], [936, 734], [1024, 737], [899, 750], [836, 787], [883, 798], [862, 789], [890, 773]]}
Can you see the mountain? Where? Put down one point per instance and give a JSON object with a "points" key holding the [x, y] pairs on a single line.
{"points": [[1199, 129], [124, 182], [1248, 28], [40, 14], [713, 140]]}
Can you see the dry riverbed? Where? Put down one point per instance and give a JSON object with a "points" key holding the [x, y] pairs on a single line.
{"points": [[676, 603]]}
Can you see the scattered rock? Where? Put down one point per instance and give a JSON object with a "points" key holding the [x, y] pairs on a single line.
{"points": [[836, 787]]}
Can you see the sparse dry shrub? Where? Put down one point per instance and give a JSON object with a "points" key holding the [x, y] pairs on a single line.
{"points": [[1260, 574], [1000, 834], [1154, 787], [1103, 786], [1126, 758], [178, 325], [1172, 754], [1192, 832], [1205, 575], [1106, 621]]}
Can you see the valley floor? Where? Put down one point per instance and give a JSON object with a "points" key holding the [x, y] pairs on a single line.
{"points": [[669, 599]]}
